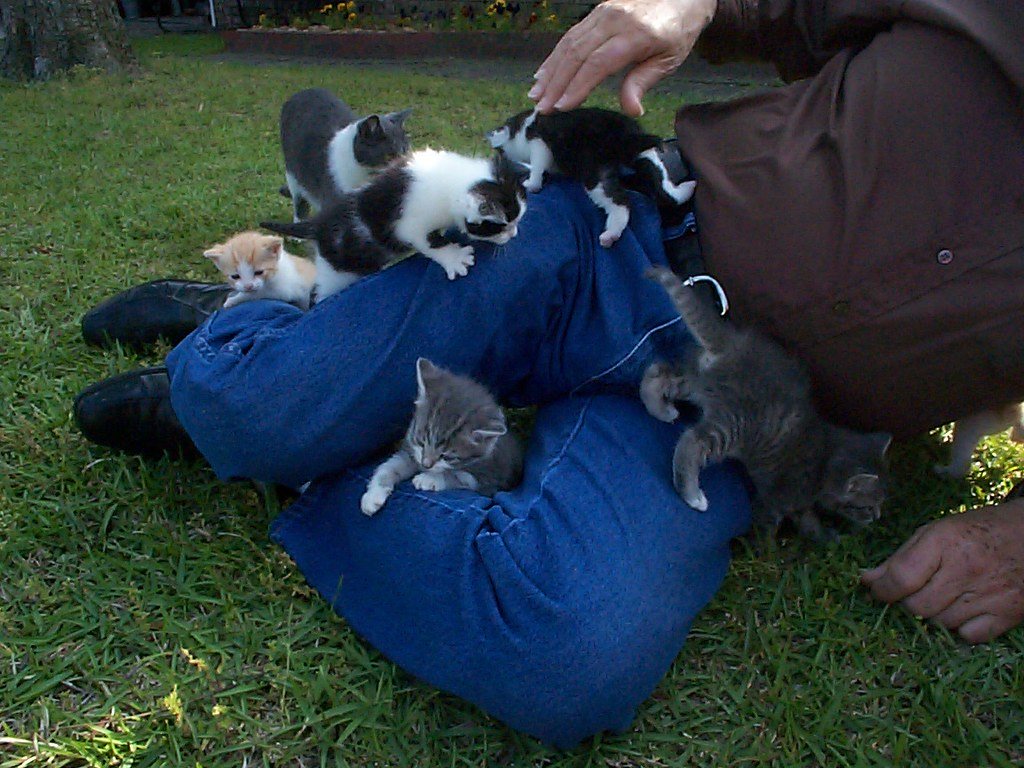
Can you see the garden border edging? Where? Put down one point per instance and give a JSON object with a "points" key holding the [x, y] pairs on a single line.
{"points": [[370, 44]]}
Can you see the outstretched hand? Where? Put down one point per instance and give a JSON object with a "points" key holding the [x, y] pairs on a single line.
{"points": [[653, 37], [965, 572]]}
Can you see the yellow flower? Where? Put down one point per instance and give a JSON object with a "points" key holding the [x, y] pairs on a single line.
{"points": [[327, 8], [351, 17], [552, 18], [350, 5]]}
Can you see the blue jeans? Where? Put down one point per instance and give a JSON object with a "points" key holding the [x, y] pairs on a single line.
{"points": [[556, 606]]}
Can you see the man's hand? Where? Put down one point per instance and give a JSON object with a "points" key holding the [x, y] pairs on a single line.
{"points": [[651, 36], [965, 572]]}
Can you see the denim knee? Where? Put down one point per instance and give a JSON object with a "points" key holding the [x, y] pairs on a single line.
{"points": [[580, 649]]}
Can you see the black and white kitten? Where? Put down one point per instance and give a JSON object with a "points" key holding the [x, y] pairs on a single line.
{"points": [[458, 438], [329, 149], [756, 407], [410, 206], [590, 145]]}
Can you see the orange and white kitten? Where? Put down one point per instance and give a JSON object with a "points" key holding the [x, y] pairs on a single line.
{"points": [[258, 267]]}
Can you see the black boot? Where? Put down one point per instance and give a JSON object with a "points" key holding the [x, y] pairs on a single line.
{"points": [[168, 309], [132, 413]]}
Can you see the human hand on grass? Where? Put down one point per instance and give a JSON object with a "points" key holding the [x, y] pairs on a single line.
{"points": [[653, 37], [965, 572]]}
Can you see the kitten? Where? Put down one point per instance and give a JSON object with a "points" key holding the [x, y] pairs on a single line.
{"points": [[590, 145], [756, 406], [458, 438], [258, 267], [329, 149], [410, 206], [968, 432]]}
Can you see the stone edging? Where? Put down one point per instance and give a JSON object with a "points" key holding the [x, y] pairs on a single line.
{"points": [[527, 46]]}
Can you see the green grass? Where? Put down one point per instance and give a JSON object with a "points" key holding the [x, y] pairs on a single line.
{"points": [[146, 619]]}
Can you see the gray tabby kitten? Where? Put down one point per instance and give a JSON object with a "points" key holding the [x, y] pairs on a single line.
{"points": [[458, 438], [329, 149], [756, 406]]}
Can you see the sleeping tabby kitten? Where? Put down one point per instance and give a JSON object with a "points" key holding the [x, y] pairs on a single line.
{"points": [[329, 149], [458, 438], [756, 407]]}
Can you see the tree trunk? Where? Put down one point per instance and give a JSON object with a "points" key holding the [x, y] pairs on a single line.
{"points": [[39, 38]]}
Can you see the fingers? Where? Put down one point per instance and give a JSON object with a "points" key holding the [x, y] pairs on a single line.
{"points": [[985, 627], [639, 81], [907, 570], [966, 607], [607, 59], [937, 595], [572, 54]]}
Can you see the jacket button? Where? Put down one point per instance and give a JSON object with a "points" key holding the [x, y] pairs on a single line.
{"points": [[945, 256]]}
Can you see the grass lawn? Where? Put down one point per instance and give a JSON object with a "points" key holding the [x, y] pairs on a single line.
{"points": [[146, 619]]}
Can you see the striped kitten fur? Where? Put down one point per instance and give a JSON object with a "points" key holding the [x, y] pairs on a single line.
{"points": [[458, 438], [756, 406]]}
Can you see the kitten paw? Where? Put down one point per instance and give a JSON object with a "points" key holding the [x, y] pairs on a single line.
{"points": [[233, 299], [533, 185], [609, 238], [374, 499], [456, 261], [697, 500], [429, 481], [682, 192], [663, 411]]}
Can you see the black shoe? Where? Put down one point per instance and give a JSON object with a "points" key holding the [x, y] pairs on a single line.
{"points": [[132, 413], [168, 309]]}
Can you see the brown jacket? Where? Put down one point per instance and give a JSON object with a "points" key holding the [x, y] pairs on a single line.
{"points": [[871, 215]]}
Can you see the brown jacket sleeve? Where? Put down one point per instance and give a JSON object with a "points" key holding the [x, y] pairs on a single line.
{"points": [[799, 36]]}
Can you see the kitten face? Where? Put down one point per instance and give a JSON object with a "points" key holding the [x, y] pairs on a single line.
{"points": [[494, 207], [511, 137], [853, 485], [381, 138], [456, 423], [248, 260]]}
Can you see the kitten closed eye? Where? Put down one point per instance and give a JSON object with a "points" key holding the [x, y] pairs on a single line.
{"points": [[457, 439]]}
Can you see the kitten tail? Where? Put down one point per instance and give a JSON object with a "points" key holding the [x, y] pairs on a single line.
{"points": [[707, 326], [301, 230]]}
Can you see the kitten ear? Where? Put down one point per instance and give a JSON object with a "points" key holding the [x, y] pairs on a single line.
{"points": [[398, 118], [215, 251], [425, 371], [303, 230], [273, 244], [499, 136], [370, 127], [860, 486], [479, 435], [507, 169], [879, 442]]}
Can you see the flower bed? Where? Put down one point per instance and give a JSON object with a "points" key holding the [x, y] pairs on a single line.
{"points": [[391, 44]]}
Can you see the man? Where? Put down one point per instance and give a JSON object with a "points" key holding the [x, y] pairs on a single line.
{"points": [[826, 209], [870, 215]]}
